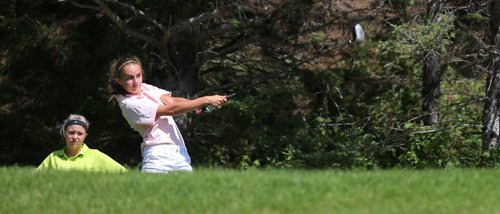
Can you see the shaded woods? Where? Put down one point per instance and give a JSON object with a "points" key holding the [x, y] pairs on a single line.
{"points": [[412, 95]]}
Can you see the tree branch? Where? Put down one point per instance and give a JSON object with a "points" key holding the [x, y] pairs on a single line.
{"points": [[104, 9], [140, 13], [120, 24]]}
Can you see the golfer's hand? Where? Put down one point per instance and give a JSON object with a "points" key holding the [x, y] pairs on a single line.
{"points": [[217, 100]]}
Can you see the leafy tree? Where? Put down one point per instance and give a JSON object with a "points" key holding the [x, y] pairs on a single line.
{"points": [[316, 100], [53, 64]]}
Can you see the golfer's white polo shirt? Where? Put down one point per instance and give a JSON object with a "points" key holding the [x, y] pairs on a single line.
{"points": [[140, 113]]}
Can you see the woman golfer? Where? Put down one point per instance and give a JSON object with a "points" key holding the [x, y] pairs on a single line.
{"points": [[149, 110]]}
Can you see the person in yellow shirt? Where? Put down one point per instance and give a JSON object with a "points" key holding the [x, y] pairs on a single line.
{"points": [[76, 155]]}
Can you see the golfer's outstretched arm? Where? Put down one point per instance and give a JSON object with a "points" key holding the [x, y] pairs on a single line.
{"points": [[176, 106]]}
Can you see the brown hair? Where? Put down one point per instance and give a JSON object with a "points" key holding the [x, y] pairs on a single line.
{"points": [[115, 70]]}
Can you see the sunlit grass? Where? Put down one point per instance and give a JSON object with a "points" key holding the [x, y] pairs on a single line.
{"points": [[253, 191]]}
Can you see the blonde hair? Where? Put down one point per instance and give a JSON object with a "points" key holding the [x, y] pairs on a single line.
{"points": [[114, 72], [73, 117]]}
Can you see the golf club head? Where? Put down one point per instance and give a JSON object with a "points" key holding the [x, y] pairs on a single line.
{"points": [[358, 33]]}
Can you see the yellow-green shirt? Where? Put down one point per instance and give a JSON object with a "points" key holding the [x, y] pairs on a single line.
{"points": [[91, 160]]}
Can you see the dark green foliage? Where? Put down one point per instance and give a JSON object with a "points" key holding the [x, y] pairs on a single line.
{"points": [[255, 128], [55, 64], [359, 110], [360, 118]]}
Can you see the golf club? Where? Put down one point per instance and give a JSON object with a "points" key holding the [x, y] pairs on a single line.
{"points": [[358, 36]]}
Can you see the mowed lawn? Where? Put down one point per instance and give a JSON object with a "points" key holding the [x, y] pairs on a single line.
{"points": [[25, 190]]}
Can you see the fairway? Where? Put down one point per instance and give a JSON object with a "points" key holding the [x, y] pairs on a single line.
{"points": [[252, 191]]}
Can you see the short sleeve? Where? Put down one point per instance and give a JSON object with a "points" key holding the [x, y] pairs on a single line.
{"points": [[103, 162], [45, 164], [139, 114]]}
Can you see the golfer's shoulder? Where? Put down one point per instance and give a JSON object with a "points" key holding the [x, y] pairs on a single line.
{"points": [[147, 86], [94, 152], [154, 90], [56, 154]]}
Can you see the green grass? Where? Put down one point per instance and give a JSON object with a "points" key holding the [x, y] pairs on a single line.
{"points": [[253, 191]]}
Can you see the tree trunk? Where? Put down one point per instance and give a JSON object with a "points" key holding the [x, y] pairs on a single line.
{"points": [[491, 121], [431, 90]]}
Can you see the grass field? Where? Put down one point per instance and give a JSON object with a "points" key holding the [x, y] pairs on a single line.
{"points": [[253, 191]]}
